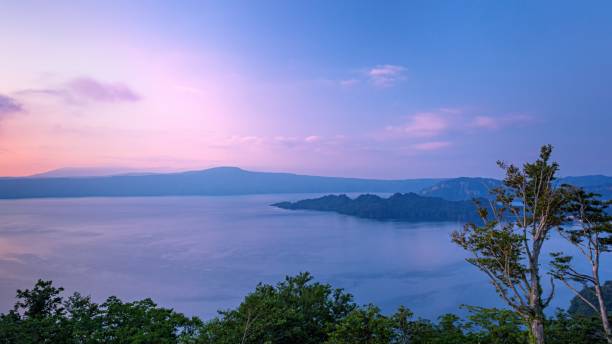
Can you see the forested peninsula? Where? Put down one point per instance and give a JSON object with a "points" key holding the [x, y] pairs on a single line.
{"points": [[408, 207]]}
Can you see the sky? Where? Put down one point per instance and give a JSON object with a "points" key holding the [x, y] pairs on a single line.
{"points": [[402, 89]]}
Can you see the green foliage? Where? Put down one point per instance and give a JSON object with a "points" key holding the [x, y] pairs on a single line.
{"points": [[38, 316], [40, 302], [363, 325], [294, 311], [141, 322], [495, 326], [508, 244], [569, 329], [588, 228], [408, 330], [401, 207], [580, 308], [41, 315]]}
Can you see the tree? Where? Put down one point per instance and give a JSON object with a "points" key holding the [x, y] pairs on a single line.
{"points": [[495, 326], [363, 325], [568, 329], [84, 318], [508, 245], [296, 310], [42, 301], [406, 330], [41, 315], [141, 322], [590, 231], [579, 308]]}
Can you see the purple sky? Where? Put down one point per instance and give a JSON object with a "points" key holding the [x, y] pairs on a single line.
{"points": [[367, 89]]}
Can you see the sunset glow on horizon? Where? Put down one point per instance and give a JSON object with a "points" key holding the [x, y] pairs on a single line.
{"points": [[164, 86]]}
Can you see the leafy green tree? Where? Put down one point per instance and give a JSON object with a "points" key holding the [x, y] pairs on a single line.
{"points": [[363, 325], [508, 245], [141, 322], [450, 330], [578, 308], [568, 329], [38, 315], [408, 330], [41, 315], [42, 301], [590, 231], [10, 328], [84, 318], [495, 326], [296, 310]]}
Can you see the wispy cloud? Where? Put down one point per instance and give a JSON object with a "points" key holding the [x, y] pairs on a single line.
{"points": [[489, 122], [87, 89], [312, 139], [386, 75], [439, 129], [102, 91], [252, 141], [425, 125], [9, 105], [431, 146], [288, 141], [349, 82], [442, 121]]}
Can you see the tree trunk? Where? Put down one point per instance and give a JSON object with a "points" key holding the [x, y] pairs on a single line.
{"points": [[536, 331], [603, 312], [536, 321]]}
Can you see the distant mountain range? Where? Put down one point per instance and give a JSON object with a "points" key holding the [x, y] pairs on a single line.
{"points": [[399, 207], [461, 189], [464, 188], [214, 181], [236, 181], [88, 172], [447, 200]]}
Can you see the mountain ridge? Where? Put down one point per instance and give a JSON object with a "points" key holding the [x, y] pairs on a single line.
{"points": [[466, 188], [409, 207], [230, 180], [214, 181]]}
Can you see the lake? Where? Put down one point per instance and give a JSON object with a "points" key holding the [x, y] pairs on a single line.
{"points": [[201, 254]]}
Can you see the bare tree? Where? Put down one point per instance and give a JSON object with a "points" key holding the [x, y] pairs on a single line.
{"points": [[507, 246], [590, 231]]}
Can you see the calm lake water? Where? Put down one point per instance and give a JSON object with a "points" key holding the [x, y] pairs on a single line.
{"points": [[201, 254]]}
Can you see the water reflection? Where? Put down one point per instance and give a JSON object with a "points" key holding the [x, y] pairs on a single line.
{"points": [[200, 254]]}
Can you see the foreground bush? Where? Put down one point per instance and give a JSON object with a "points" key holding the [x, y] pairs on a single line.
{"points": [[41, 315], [296, 310]]}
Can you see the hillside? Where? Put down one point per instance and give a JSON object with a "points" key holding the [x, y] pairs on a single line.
{"points": [[401, 207], [464, 188], [459, 189], [215, 181]]}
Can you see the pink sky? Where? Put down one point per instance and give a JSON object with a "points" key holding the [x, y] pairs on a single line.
{"points": [[273, 87]]}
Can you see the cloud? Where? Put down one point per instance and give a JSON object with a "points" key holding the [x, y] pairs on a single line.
{"points": [[86, 88], [9, 105], [273, 141], [445, 121], [250, 140], [312, 139], [485, 122], [386, 75], [488, 122], [287, 141], [101, 91], [349, 82], [431, 146], [426, 124]]}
